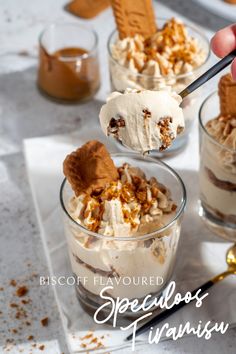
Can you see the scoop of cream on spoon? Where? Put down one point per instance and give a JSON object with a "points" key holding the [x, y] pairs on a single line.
{"points": [[143, 120], [150, 120]]}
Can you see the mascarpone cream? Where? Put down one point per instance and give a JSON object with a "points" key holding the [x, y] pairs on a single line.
{"points": [[143, 120]]}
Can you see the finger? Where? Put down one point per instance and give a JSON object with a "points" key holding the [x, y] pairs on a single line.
{"points": [[233, 69], [224, 41]]}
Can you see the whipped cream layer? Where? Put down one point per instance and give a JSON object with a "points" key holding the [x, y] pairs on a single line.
{"points": [[143, 120], [131, 206], [109, 259], [218, 199]]}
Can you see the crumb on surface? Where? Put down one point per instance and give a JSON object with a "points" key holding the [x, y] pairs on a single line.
{"points": [[13, 282], [22, 291], [44, 321]]}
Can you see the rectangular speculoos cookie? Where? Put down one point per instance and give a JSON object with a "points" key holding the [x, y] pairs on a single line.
{"points": [[227, 94], [134, 17]]}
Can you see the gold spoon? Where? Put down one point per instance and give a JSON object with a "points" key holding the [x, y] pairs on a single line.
{"points": [[231, 261]]}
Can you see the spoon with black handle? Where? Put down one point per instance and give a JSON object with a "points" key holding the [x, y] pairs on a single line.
{"points": [[215, 69]]}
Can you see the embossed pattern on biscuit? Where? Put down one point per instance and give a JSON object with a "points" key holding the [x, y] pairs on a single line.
{"points": [[134, 17], [227, 94], [89, 168]]}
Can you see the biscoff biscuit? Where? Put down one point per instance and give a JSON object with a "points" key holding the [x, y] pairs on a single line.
{"points": [[231, 1], [134, 17], [87, 8], [89, 168], [227, 95]]}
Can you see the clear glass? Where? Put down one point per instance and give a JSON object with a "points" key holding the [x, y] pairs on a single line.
{"points": [[68, 62], [150, 256], [122, 77], [217, 176]]}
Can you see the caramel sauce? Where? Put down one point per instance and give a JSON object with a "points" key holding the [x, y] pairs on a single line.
{"points": [[68, 74]]}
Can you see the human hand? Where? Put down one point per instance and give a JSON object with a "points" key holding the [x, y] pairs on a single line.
{"points": [[223, 42]]}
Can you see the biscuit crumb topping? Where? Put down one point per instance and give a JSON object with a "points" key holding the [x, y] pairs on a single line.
{"points": [[223, 129], [166, 132], [133, 195], [170, 51]]}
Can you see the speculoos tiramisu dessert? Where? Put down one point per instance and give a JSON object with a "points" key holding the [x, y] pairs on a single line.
{"points": [[168, 52], [143, 120], [218, 158], [111, 209], [146, 53]]}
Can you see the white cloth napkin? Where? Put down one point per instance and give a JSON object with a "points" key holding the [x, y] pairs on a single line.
{"points": [[201, 255]]}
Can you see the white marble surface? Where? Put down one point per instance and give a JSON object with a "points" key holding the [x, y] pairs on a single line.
{"points": [[24, 113]]}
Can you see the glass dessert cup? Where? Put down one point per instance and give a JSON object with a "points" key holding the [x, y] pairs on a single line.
{"points": [[68, 62], [122, 77], [217, 176], [125, 261]]}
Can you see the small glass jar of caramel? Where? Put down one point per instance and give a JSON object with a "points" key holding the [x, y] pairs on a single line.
{"points": [[68, 62]]}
